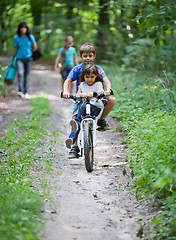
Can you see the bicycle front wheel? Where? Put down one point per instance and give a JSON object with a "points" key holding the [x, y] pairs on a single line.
{"points": [[88, 147]]}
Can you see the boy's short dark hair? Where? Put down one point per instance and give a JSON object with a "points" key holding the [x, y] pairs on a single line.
{"points": [[87, 48]]}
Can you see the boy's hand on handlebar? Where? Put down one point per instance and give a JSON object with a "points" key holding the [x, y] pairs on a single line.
{"points": [[107, 93], [65, 95]]}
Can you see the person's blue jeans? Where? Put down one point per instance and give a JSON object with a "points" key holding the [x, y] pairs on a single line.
{"points": [[94, 111], [23, 68]]}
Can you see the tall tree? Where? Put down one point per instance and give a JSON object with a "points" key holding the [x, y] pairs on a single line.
{"points": [[103, 30], [36, 10]]}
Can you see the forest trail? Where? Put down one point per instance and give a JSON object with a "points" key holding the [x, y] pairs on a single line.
{"points": [[88, 206]]}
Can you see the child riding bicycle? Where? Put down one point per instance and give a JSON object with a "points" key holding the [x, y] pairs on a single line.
{"points": [[87, 54], [90, 82]]}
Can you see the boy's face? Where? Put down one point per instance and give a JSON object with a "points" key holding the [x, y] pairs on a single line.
{"points": [[88, 57]]}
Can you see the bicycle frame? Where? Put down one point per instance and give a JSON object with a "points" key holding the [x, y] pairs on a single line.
{"points": [[92, 122], [93, 127]]}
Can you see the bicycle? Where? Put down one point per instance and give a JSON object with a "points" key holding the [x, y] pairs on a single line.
{"points": [[88, 131]]}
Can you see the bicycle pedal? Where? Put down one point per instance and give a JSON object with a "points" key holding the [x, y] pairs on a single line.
{"points": [[101, 129]]}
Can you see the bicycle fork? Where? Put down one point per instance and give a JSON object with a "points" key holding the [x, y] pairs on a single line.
{"points": [[92, 123]]}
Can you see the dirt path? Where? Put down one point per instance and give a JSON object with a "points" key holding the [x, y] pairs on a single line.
{"points": [[89, 206]]}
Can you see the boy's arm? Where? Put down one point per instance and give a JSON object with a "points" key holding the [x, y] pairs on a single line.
{"points": [[66, 85], [107, 84]]}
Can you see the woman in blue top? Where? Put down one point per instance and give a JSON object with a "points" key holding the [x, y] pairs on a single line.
{"points": [[69, 59], [24, 45]]}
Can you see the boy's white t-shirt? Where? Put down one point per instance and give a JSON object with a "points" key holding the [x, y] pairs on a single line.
{"points": [[96, 87]]}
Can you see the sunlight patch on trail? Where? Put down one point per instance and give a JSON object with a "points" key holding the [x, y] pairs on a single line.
{"points": [[42, 94]]}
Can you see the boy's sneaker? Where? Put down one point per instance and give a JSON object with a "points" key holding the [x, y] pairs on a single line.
{"points": [[74, 126], [74, 152], [69, 142], [103, 124]]}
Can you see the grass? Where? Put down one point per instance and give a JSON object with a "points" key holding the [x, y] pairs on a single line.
{"points": [[145, 106], [21, 201], [2, 75]]}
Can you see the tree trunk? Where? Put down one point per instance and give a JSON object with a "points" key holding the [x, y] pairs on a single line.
{"points": [[36, 9], [103, 30]]}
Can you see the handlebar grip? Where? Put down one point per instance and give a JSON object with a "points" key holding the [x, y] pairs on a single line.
{"points": [[112, 93], [71, 96]]}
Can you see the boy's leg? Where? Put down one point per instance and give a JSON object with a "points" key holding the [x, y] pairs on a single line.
{"points": [[109, 106], [75, 149]]}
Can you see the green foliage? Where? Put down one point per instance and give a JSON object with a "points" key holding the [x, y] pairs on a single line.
{"points": [[153, 151], [146, 108], [20, 205], [152, 156], [134, 30], [2, 84]]}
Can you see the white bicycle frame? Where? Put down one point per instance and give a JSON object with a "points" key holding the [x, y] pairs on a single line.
{"points": [[91, 121]]}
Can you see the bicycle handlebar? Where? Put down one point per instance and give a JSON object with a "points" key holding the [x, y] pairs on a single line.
{"points": [[95, 94]]}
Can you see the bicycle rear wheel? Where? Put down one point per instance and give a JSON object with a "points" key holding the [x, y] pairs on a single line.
{"points": [[88, 147]]}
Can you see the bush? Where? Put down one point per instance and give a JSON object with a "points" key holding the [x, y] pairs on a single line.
{"points": [[2, 84], [147, 114]]}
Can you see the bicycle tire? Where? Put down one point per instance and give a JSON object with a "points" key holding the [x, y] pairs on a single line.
{"points": [[88, 147]]}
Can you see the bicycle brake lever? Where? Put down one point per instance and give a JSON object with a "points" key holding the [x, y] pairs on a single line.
{"points": [[95, 94], [101, 95]]}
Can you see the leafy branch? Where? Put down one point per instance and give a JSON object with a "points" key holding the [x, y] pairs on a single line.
{"points": [[166, 85]]}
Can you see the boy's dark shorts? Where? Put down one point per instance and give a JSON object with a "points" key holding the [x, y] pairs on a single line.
{"points": [[65, 72]]}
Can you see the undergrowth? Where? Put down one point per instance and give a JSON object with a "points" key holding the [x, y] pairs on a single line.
{"points": [[20, 203], [145, 106], [2, 84]]}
